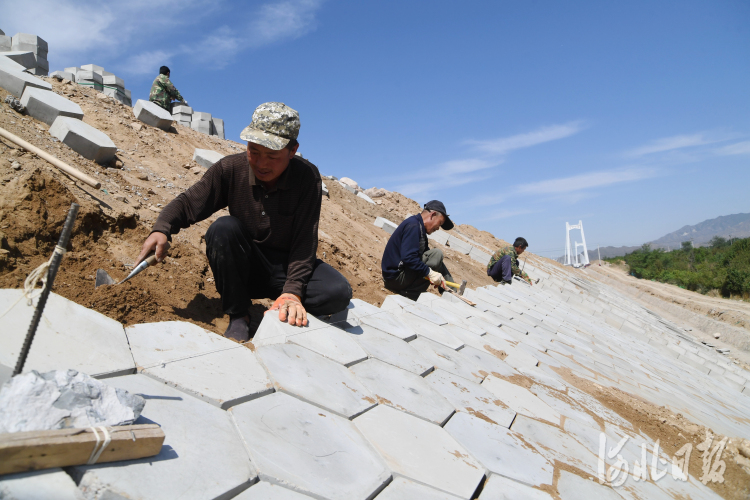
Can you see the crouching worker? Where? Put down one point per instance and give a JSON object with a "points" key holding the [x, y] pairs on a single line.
{"points": [[267, 247], [408, 260], [504, 263]]}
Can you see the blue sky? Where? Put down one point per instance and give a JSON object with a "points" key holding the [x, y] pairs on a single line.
{"points": [[520, 116]]}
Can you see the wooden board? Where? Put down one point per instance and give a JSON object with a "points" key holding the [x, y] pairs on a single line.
{"points": [[35, 450]]}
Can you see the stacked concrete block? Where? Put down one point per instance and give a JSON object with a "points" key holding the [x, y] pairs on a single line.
{"points": [[95, 76], [63, 75], [47, 106], [16, 82], [24, 58], [84, 139], [31, 49], [201, 122], [5, 43], [90, 79], [218, 127], [205, 157], [182, 114], [152, 114]]}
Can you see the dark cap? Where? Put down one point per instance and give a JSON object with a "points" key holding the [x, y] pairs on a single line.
{"points": [[438, 206]]}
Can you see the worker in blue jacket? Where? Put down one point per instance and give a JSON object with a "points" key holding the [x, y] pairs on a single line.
{"points": [[408, 259]]}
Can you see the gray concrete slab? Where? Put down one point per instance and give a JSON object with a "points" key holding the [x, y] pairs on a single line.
{"points": [[84, 139], [355, 309], [39, 485], [10, 65], [487, 363], [554, 444], [572, 487], [390, 322], [479, 256], [385, 225], [309, 450], [459, 245], [205, 157], [273, 331], [181, 108], [113, 81], [390, 349], [154, 344], [223, 379], [426, 313], [269, 491], [63, 75], [315, 379], [500, 450], [404, 489], [90, 79], [46, 106], [152, 114], [331, 342], [447, 359], [15, 82], [5, 43], [202, 126], [395, 302], [471, 398], [428, 330], [597, 408], [69, 336], [202, 456], [218, 127], [403, 390], [564, 405], [521, 400], [439, 236], [201, 115], [502, 488], [23, 57], [421, 451]]}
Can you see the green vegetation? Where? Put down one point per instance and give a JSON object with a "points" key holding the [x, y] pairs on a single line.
{"points": [[721, 266]]}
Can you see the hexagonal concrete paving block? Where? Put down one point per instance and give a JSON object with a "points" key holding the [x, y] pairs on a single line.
{"points": [[390, 349], [40, 484], [46, 106], [269, 491], [447, 359], [500, 450], [426, 313], [206, 157], [427, 329], [224, 379], [563, 405], [403, 390], [331, 342], [421, 451], [573, 487], [521, 399], [272, 331], [202, 456], [403, 489], [502, 488], [313, 378], [309, 450], [487, 363], [152, 114], [16, 82], [69, 337], [389, 323], [84, 139], [471, 398]]}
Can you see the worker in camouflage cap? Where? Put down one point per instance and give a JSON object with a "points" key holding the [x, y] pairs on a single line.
{"points": [[274, 124], [503, 264], [163, 92]]}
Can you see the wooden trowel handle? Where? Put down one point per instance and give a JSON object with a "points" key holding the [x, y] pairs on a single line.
{"points": [[150, 260]]}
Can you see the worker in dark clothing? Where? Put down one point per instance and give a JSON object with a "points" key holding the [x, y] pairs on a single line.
{"points": [[267, 247], [408, 259], [503, 264]]}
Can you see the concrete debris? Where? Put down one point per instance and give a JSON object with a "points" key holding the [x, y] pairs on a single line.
{"points": [[15, 104], [62, 399]]}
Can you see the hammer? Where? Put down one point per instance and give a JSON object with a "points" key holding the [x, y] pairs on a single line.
{"points": [[460, 291]]}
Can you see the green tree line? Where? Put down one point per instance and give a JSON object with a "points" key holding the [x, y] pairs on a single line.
{"points": [[722, 266]]}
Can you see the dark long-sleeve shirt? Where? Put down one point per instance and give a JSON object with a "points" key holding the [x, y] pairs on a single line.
{"points": [[284, 219], [405, 248]]}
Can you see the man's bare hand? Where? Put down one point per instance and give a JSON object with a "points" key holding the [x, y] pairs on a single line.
{"points": [[290, 309], [155, 243]]}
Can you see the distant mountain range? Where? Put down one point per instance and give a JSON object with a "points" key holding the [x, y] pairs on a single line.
{"points": [[726, 226]]}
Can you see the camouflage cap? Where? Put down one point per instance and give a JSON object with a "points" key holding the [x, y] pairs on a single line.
{"points": [[274, 125]]}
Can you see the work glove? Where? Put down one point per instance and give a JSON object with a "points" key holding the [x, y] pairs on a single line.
{"points": [[290, 307], [436, 278]]}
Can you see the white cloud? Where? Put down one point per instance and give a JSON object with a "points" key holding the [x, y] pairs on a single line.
{"points": [[445, 175], [506, 214], [283, 21], [739, 148], [541, 135], [672, 143], [586, 181], [147, 62]]}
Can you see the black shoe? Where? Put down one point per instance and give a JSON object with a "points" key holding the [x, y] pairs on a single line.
{"points": [[237, 329]]}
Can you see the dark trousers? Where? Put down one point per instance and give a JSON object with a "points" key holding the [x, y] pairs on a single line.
{"points": [[243, 271], [501, 270], [409, 284]]}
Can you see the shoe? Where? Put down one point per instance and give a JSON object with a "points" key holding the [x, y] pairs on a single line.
{"points": [[237, 329]]}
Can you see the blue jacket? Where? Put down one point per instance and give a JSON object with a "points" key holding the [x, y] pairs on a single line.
{"points": [[405, 249]]}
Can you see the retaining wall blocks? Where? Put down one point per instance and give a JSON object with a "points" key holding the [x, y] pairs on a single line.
{"points": [[84, 139], [16, 82], [46, 106], [386, 225], [152, 114], [206, 157]]}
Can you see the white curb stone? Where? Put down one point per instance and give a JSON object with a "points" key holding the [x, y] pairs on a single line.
{"points": [[315, 379], [403, 489], [152, 114], [40, 484], [46, 106], [403, 390], [202, 456], [390, 349], [385, 225], [331, 342], [15, 82], [421, 451], [362, 195], [471, 398], [521, 400], [69, 337], [447, 359], [459, 245], [206, 157], [502, 488], [223, 379], [309, 450], [83, 139], [439, 236], [479, 256], [501, 451]]}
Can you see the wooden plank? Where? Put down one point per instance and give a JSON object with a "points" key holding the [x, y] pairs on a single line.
{"points": [[35, 450]]}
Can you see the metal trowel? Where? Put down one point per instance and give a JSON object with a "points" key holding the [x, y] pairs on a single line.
{"points": [[103, 278]]}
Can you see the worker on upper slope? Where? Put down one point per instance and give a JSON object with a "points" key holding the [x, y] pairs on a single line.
{"points": [[267, 247], [163, 92], [407, 258], [503, 264]]}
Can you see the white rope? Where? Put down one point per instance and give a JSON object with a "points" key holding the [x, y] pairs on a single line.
{"points": [[97, 451], [29, 284]]}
